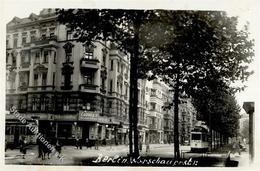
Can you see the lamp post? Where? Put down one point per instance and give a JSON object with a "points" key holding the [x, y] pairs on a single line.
{"points": [[249, 107]]}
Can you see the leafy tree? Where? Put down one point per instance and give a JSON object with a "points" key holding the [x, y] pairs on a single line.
{"points": [[220, 111], [245, 129], [119, 26], [195, 50]]}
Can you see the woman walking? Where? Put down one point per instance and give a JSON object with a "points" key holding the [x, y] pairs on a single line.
{"points": [[23, 143]]}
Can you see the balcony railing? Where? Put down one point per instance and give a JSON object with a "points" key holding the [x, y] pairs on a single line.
{"points": [[152, 127], [88, 64], [11, 90], [88, 88], [25, 64], [40, 41], [23, 88], [41, 88]]}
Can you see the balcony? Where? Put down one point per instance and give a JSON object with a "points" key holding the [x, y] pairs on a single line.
{"points": [[167, 128], [88, 64], [89, 88], [11, 90], [41, 88], [41, 41], [25, 64], [103, 90], [23, 88], [153, 127]]}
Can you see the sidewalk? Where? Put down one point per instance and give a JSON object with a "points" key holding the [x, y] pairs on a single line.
{"points": [[69, 152]]}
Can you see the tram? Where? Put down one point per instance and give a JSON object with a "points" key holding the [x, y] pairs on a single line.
{"points": [[199, 139]]}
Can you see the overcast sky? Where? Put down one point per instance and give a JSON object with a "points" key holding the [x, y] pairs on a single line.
{"points": [[245, 10]]}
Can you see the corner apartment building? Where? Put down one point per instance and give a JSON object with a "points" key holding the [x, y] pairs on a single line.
{"points": [[65, 88]]}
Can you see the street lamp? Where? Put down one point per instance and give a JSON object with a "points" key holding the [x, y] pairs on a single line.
{"points": [[249, 107]]}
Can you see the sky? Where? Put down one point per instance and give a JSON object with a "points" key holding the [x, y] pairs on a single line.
{"points": [[246, 13]]}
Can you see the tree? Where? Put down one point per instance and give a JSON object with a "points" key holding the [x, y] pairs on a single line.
{"points": [[245, 129], [119, 26], [194, 50], [219, 110]]}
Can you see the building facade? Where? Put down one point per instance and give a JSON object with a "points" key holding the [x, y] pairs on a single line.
{"points": [[187, 120], [67, 89]]}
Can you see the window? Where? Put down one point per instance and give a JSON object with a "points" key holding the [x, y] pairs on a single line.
{"points": [[7, 43], [35, 80], [23, 40], [44, 79], [45, 56], [152, 106], [37, 57], [68, 57], [118, 66], [88, 52], [103, 84], [25, 58], [88, 55], [44, 103], [14, 60], [35, 104], [66, 105], [111, 65], [104, 52], [44, 34], [122, 69], [54, 58], [153, 92], [53, 79], [126, 90], [111, 86], [65, 130], [15, 42], [88, 78], [33, 36], [69, 35], [196, 136], [52, 34]]}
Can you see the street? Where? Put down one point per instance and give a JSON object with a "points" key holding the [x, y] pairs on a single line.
{"points": [[70, 153], [72, 156]]}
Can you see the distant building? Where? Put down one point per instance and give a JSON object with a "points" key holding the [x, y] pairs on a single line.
{"points": [[187, 120]]}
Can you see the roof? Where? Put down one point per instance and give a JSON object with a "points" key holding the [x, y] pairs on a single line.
{"points": [[32, 17]]}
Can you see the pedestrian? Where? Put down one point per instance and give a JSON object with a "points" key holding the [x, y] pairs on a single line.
{"points": [[23, 143], [236, 147], [140, 143], [87, 143], [147, 147], [104, 142], [58, 148], [5, 145], [40, 155], [96, 143], [80, 143], [77, 142]]}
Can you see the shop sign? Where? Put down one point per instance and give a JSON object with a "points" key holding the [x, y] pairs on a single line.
{"points": [[88, 115]]}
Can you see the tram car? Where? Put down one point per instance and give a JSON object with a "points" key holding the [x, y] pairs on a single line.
{"points": [[199, 139]]}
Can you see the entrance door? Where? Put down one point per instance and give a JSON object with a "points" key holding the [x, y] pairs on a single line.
{"points": [[85, 132], [16, 135]]}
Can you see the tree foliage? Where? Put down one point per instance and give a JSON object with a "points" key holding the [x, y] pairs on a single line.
{"points": [[199, 54]]}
